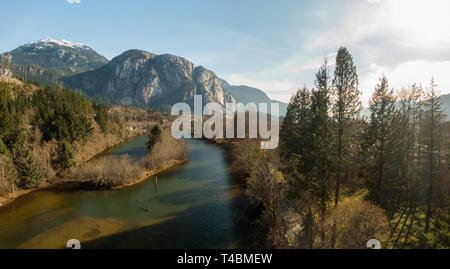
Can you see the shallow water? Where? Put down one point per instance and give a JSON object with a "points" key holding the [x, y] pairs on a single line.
{"points": [[193, 205]]}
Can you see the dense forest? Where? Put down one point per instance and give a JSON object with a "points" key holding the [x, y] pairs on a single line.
{"points": [[338, 179]]}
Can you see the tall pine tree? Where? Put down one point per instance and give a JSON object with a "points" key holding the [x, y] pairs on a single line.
{"points": [[433, 117], [382, 140], [346, 107], [320, 174]]}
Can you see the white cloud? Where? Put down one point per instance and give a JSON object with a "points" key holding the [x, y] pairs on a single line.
{"points": [[405, 40], [74, 1]]}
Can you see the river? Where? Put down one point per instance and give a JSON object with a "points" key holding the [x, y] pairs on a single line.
{"points": [[193, 205]]}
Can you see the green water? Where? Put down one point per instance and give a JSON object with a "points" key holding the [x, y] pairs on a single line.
{"points": [[193, 205]]}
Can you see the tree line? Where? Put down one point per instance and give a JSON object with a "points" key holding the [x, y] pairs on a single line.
{"points": [[349, 177]]}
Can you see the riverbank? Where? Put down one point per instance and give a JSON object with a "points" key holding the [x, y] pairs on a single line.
{"points": [[102, 183], [55, 182], [89, 184]]}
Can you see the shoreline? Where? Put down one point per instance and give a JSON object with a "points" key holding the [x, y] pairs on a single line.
{"points": [[81, 185], [48, 183]]}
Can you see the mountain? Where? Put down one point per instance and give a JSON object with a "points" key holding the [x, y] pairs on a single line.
{"points": [[245, 95], [54, 58], [140, 78], [135, 78], [445, 99]]}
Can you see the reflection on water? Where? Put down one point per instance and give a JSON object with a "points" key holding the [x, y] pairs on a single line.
{"points": [[191, 208]]}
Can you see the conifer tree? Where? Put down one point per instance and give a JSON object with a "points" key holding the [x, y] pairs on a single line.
{"points": [[346, 107], [29, 172], [5, 117], [321, 141], [433, 117], [154, 136], [382, 135], [64, 156], [292, 131]]}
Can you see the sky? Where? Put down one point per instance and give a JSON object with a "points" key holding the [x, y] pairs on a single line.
{"points": [[276, 46]]}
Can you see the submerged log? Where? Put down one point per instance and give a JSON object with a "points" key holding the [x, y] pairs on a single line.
{"points": [[146, 209]]}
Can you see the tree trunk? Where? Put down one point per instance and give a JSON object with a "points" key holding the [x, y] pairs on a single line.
{"points": [[430, 174]]}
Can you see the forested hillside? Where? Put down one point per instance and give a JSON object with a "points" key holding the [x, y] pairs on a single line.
{"points": [[44, 131]]}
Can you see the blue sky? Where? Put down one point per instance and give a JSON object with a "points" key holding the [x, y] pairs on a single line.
{"points": [[273, 45]]}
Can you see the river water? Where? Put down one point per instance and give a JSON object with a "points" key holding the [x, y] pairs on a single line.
{"points": [[193, 205]]}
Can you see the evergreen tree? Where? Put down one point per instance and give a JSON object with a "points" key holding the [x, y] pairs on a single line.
{"points": [[294, 141], [5, 117], [64, 156], [433, 117], [415, 115], [346, 107], [154, 136], [293, 131], [382, 140], [321, 142], [29, 172], [101, 116]]}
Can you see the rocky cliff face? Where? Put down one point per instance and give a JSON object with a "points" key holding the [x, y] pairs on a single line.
{"points": [[144, 79]]}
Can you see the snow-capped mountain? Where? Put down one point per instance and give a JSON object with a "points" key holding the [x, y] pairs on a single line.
{"points": [[46, 42], [60, 57]]}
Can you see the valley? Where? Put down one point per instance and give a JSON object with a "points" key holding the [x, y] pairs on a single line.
{"points": [[86, 149]]}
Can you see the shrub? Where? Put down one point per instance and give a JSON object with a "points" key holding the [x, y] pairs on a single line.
{"points": [[356, 223], [107, 173]]}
